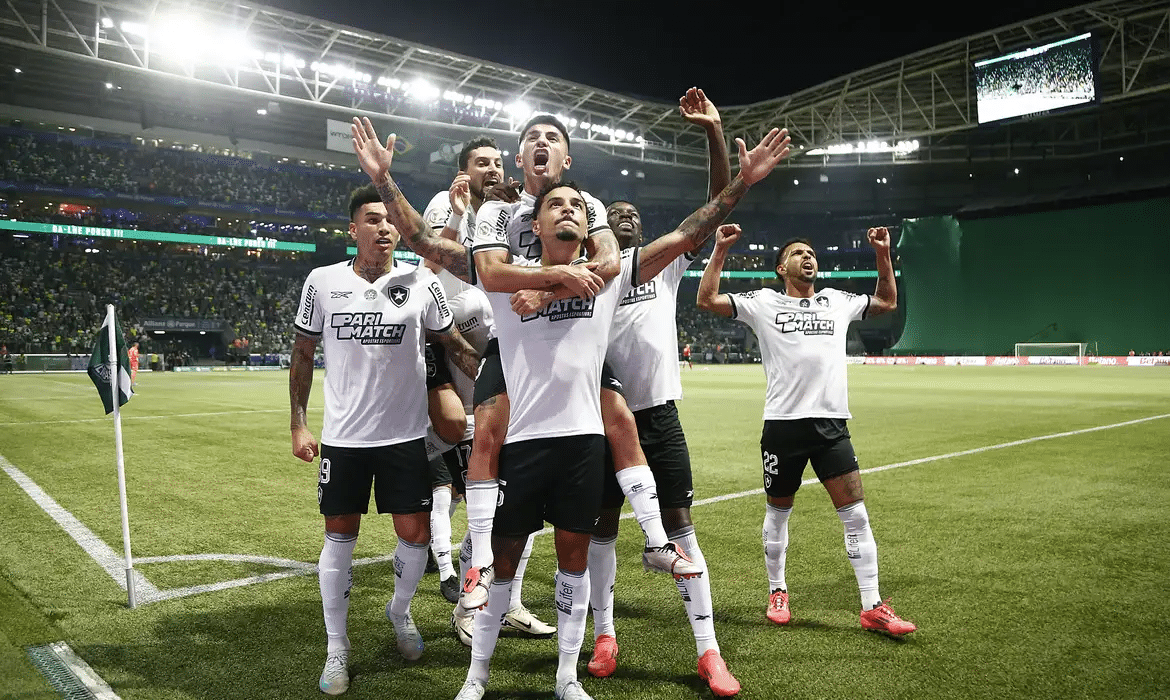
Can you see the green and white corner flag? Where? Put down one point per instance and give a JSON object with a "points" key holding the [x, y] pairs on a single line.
{"points": [[100, 364]]}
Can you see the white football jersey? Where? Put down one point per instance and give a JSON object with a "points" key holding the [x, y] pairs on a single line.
{"points": [[504, 226], [802, 342], [373, 335], [435, 216], [475, 321], [643, 345], [552, 359]]}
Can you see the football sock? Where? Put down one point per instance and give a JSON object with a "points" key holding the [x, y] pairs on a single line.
{"points": [[696, 592], [410, 561], [640, 489], [465, 555], [602, 571], [572, 599], [518, 579], [861, 549], [776, 545], [481, 512], [335, 577], [441, 530], [487, 630]]}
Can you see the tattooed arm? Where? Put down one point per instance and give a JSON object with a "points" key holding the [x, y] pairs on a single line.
{"points": [[375, 160], [694, 231], [458, 350], [300, 382]]}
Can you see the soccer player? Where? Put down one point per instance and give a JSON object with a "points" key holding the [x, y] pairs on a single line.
{"points": [[551, 465], [448, 424], [504, 230], [371, 314], [132, 353], [802, 341], [452, 214], [643, 352]]}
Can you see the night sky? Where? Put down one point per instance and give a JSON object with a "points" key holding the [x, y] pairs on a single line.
{"points": [[644, 50]]}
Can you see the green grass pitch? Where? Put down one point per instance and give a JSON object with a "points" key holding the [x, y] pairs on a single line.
{"points": [[1036, 570]]}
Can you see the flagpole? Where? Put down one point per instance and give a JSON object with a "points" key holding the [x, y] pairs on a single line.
{"points": [[132, 597]]}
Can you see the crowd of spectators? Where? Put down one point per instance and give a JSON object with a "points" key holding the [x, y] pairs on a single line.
{"points": [[124, 167], [52, 299]]}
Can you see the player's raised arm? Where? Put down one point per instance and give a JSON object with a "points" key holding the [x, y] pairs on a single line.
{"points": [[709, 297], [697, 109], [459, 198], [693, 232], [375, 160], [885, 297], [300, 382]]}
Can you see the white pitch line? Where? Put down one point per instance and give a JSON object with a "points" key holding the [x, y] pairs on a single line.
{"points": [[169, 415], [93, 545], [150, 594]]}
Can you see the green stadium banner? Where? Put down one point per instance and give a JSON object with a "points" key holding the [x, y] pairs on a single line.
{"points": [[162, 236], [1098, 275]]}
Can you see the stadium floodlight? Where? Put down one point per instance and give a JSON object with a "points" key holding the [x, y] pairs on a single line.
{"points": [[796, 182], [107, 23], [640, 139], [109, 86], [422, 90], [134, 28], [620, 134], [518, 110], [625, 172], [262, 112]]}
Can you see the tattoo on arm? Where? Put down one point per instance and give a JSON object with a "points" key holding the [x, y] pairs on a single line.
{"points": [[300, 381], [460, 352], [418, 236], [699, 226]]}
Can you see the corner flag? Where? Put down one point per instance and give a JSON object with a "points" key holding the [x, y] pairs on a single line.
{"points": [[100, 364]]}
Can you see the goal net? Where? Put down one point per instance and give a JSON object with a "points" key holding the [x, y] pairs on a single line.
{"points": [[1050, 349]]}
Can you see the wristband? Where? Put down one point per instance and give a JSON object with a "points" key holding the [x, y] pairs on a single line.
{"points": [[454, 221]]}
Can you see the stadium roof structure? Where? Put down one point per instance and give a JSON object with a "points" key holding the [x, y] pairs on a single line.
{"points": [[258, 59]]}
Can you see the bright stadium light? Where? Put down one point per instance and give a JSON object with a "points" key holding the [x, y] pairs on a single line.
{"points": [[625, 172], [796, 182], [262, 112], [107, 23], [518, 110], [423, 91], [109, 86]]}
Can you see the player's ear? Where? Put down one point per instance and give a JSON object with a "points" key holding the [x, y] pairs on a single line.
{"points": [[535, 227], [519, 161], [568, 161], [353, 230]]}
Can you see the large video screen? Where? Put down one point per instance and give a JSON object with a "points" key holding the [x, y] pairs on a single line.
{"points": [[1037, 80]]}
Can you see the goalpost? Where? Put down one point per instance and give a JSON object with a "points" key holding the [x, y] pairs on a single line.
{"points": [[1050, 349]]}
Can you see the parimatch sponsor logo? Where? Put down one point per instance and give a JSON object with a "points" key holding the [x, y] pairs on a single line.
{"points": [[643, 292], [563, 309], [367, 328], [807, 322]]}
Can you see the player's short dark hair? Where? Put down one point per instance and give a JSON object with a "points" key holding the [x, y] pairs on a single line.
{"points": [[789, 242], [544, 119], [616, 202], [477, 142], [366, 194], [549, 188]]}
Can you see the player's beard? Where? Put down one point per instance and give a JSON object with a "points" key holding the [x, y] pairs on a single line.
{"points": [[566, 235]]}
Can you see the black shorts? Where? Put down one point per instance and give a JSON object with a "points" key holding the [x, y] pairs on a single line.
{"points": [[661, 436], [438, 373], [550, 479], [399, 474], [787, 446], [456, 460], [489, 380], [440, 475]]}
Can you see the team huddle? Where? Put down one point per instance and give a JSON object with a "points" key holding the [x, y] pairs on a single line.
{"points": [[529, 367]]}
